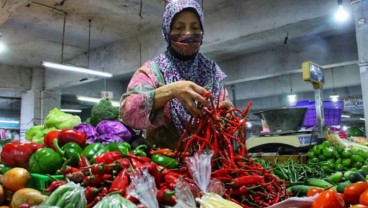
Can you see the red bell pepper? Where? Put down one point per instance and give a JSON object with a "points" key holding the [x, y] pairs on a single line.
{"points": [[48, 140], [17, 154], [71, 135]]}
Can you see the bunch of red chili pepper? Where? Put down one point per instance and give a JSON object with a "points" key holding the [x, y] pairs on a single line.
{"points": [[223, 131]]}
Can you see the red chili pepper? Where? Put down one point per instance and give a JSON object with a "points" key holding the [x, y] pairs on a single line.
{"points": [[69, 169], [91, 192], [131, 198], [153, 170], [246, 180], [17, 154], [163, 151], [71, 135], [94, 202], [108, 157], [92, 180], [83, 162], [141, 159], [123, 162], [121, 182], [48, 140], [54, 185], [166, 196]]}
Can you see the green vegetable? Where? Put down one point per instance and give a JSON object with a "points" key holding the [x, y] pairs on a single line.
{"points": [[45, 161], [60, 120], [140, 150], [114, 200], [36, 134], [31, 132], [122, 147], [55, 195], [300, 190], [70, 151], [341, 186], [355, 177], [318, 183], [103, 111], [93, 150], [335, 178], [164, 161]]}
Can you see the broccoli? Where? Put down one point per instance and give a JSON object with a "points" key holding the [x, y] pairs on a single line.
{"points": [[103, 111]]}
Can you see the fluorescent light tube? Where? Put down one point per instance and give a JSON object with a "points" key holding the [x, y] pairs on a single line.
{"points": [[345, 116], [362, 119], [71, 110], [96, 100], [75, 69], [334, 98], [9, 121]]}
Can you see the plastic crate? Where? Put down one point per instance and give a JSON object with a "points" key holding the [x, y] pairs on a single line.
{"points": [[332, 112], [41, 182], [3, 169]]}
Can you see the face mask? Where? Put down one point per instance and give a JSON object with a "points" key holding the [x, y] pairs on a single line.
{"points": [[186, 45]]}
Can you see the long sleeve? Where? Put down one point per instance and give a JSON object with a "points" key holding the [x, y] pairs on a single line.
{"points": [[137, 102]]}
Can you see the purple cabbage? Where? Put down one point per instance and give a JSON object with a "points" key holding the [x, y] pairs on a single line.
{"points": [[88, 129], [108, 138], [116, 128]]}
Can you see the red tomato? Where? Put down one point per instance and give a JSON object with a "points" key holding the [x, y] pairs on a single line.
{"points": [[353, 191], [313, 191], [363, 198], [328, 199], [358, 206]]}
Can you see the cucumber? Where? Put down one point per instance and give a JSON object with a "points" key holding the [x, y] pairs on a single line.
{"points": [[355, 177], [300, 190], [335, 178], [318, 183], [341, 186], [363, 173]]}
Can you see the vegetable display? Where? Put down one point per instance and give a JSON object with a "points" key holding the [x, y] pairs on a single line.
{"points": [[45, 161], [17, 154]]}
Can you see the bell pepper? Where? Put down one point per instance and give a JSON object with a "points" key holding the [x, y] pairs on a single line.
{"points": [[122, 147], [45, 161], [121, 182], [108, 157], [93, 150], [49, 138], [70, 152], [71, 135], [17, 154]]}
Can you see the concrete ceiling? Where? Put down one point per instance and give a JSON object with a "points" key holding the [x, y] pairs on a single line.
{"points": [[33, 30]]}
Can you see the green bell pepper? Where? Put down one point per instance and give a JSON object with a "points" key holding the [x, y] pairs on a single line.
{"points": [[70, 152], [165, 161], [122, 147], [93, 150], [45, 161]]}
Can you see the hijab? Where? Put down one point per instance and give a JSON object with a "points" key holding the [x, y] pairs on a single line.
{"points": [[198, 69]]}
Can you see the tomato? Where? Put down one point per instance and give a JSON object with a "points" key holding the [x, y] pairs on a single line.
{"points": [[353, 191], [328, 199], [358, 206], [313, 191], [363, 198]]}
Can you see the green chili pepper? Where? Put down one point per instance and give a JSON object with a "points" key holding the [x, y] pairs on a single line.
{"points": [[140, 150], [165, 161], [122, 147], [45, 161], [70, 151], [93, 150]]}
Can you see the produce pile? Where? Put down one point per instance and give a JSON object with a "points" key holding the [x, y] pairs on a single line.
{"points": [[105, 163]]}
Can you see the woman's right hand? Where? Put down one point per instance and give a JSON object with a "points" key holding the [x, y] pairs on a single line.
{"points": [[187, 93]]}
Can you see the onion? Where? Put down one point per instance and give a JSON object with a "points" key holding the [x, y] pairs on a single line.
{"points": [[15, 179], [28, 196]]}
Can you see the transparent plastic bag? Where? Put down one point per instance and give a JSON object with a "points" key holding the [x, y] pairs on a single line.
{"points": [[114, 201], [67, 195], [183, 195], [216, 186], [200, 168], [143, 187]]}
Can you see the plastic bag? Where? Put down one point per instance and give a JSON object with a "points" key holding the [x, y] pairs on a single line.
{"points": [[67, 195], [216, 186], [200, 168], [143, 187], [114, 201], [212, 200], [183, 195]]}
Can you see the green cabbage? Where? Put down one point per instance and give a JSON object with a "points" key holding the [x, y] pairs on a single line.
{"points": [[31, 132], [60, 120]]}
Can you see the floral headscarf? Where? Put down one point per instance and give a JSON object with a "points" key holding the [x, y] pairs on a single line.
{"points": [[200, 69]]}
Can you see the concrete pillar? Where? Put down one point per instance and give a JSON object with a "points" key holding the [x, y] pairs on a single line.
{"points": [[36, 103], [359, 8]]}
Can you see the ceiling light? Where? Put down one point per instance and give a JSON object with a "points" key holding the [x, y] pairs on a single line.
{"points": [[96, 100], [2, 47], [292, 98], [362, 119], [9, 121], [75, 69], [345, 116], [334, 98], [341, 15], [71, 110]]}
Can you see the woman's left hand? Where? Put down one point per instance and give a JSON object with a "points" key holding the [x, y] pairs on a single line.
{"points": [[226, 104]]}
